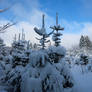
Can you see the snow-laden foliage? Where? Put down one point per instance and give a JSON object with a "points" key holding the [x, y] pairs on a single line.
{"points": [[19, 45], [2, 49], [56, 38], [56, 53], [56, 35], [41, 75], [80, 57], [26, 70], [42, 32], [11, 81], [1, 43], [85, 42], [38, 58], [20, 52]]}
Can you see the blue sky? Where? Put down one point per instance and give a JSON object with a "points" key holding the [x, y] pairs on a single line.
{"points": [[74, 15], [79, 10], [71, 10]]}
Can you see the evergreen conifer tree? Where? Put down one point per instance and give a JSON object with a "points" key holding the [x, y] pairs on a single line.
{"points": [[43, 34], [57, 34]]}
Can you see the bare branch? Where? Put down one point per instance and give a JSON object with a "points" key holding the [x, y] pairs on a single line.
{"points": [[3, 28], [2, 10]]}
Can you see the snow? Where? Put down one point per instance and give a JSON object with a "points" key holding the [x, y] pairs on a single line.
{"points": [[41, 31], [32, 85], [43, 76], [36, 80], [37, 58], [44, 70], [83, 81], [40, 74], [82, 74], [59, 50]]}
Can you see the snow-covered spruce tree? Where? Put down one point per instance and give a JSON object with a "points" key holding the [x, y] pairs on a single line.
{"points": [[5, 57], [88, 43], [42, 32], [84, 59], [56, 34], [85, 43], [82, 41], [57, 53], [3, 51], [19, 57], [11, 80], [57, 58], [42, 74], [83, 54], [19, 51], [57, 40]]}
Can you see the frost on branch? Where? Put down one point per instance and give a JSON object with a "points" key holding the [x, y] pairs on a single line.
{"points": [[56, 53], [42, 32], [20, 51], [56, 34], [43, 76]]}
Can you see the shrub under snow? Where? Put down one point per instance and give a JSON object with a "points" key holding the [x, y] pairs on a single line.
{"points": [[41, 75]]}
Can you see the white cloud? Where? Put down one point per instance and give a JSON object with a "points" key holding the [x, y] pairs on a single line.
{"points": [[24, 10], [16, 29], [72, 39], [67, 40], [87, 30], [72, 26]]}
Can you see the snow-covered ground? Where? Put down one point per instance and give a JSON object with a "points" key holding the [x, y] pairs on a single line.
{"points": [[83, 80], [49, 70]]}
